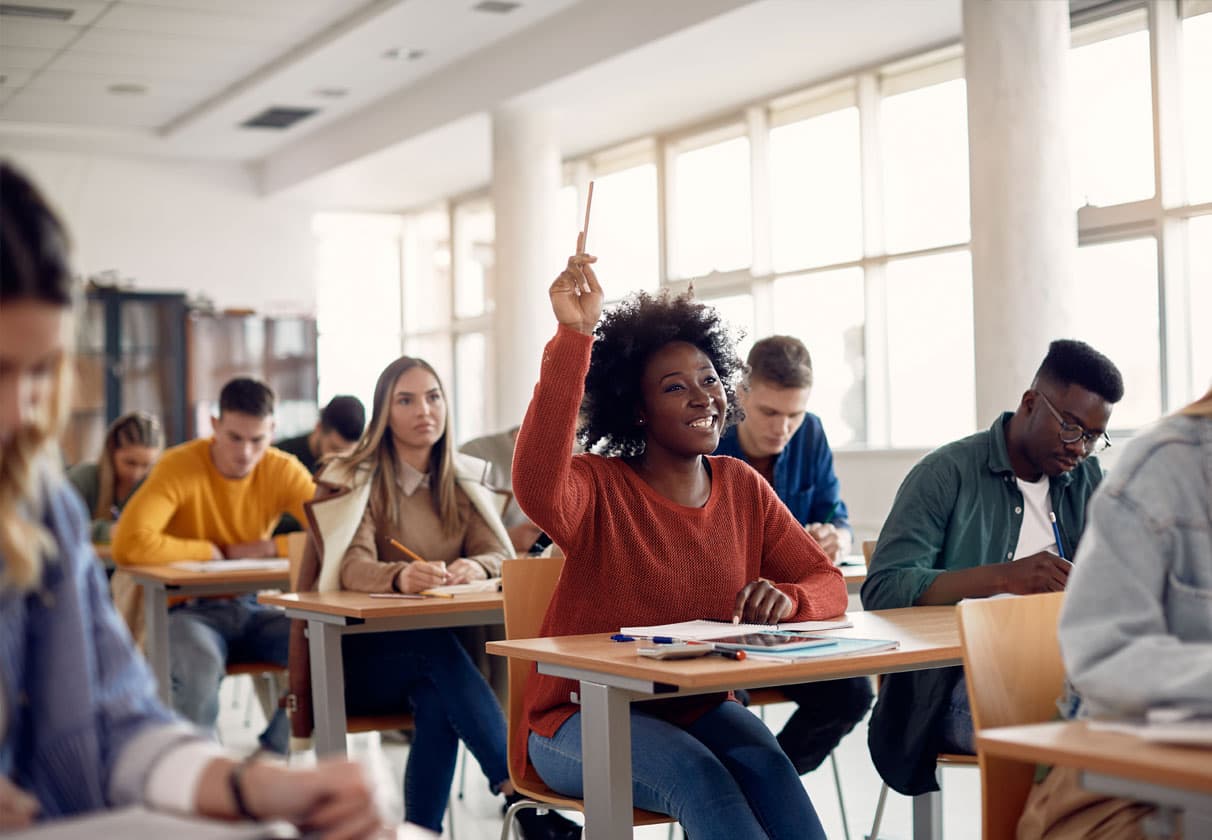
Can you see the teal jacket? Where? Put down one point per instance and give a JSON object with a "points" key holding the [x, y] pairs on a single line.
{"points": [[958, 508]]}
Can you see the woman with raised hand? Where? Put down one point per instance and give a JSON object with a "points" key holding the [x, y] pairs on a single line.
{"points": [[401, 513], [655, 531], [81, 728], [133, 442]]}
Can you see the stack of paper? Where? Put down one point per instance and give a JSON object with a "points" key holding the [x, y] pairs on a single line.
{"points": [[475, 586], [843, 647], [705, 629]]}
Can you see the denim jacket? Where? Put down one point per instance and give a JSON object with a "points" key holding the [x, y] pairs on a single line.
{"points": [[84, 724], [1136, 627]]}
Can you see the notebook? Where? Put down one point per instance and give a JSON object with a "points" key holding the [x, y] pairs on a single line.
{"points": [[707, 629], [843, 647], [267, 564], [475, 586], [1185, 727]]}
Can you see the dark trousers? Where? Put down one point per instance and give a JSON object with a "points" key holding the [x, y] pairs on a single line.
{"points": [[827, 711]]}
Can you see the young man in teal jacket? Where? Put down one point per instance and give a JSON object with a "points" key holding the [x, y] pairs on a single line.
{"points": [[973, 519]]}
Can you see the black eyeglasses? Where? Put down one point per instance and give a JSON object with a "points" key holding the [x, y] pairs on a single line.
{"points": [[1072, 433]]}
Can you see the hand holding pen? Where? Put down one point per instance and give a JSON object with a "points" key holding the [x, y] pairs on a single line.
{"points": [[419, 574]]}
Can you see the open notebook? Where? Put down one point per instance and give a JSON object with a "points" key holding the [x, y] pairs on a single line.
{"points": [[475, 586], [706, 629]]}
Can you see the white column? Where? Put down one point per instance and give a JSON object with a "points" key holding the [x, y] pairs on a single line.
{"points": [[525, 194], [1024, 231]]}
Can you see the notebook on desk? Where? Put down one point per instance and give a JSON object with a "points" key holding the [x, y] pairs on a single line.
{"points": [[471, 588], [704, 629]]}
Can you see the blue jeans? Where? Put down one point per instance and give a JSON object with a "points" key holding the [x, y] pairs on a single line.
{"points": [[722, 777], [207, 633], [450, 699], [957, 733]]}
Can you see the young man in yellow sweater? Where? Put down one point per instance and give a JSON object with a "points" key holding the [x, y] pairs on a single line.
{"points": [[213, 499]]}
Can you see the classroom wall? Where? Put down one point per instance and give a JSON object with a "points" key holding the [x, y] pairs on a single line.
{"points": [[181, 226]]}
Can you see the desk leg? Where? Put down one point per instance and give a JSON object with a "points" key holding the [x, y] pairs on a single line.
{"points": [[327, 686], [928, 816], [155, 626], [606, 762]]}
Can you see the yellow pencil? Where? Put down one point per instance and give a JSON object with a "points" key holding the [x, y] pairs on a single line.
{"points": [[416, 557]]}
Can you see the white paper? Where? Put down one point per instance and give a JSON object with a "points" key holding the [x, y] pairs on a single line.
{"points": [[267, 564], [138, 823], [475, 586], [1190, 730], [703, 629]]}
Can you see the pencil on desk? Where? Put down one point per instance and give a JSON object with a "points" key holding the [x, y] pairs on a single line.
{"points": [[408, 551]]}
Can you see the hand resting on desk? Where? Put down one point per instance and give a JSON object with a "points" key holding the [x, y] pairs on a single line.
{"points": [[759, 602]]}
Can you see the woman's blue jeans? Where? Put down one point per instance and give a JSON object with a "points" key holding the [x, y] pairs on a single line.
{"points": [[451, 701], [722, 777]]}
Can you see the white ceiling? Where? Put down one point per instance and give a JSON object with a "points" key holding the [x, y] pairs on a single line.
{"points": [[409, 131]]}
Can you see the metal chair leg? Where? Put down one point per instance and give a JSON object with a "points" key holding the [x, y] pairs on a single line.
{"points": [[841, 800], [879, 813]]}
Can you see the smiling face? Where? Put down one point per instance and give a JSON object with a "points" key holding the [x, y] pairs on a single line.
{"points": [[418, 412], [772, 416], [683, 401]]}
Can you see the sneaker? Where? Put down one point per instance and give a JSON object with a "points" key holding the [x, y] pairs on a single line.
{"points": [[549, 826]]}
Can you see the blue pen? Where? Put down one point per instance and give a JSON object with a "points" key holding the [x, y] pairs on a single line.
{"points": [[619, 637], [664, 640], [1060, 549]]}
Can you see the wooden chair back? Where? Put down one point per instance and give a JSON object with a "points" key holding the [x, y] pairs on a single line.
{"points": [[868, 550], [1013, 665], [296, 543], [527, 584]]}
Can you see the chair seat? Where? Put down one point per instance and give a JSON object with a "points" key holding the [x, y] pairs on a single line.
{"points": [[532, 787], [956, 760], [766, 696]]}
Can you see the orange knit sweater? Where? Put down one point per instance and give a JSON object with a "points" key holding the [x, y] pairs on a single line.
{"points": [[634, 556]]}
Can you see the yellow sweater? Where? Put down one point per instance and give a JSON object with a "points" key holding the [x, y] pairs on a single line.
{"points": [[185, 505]]}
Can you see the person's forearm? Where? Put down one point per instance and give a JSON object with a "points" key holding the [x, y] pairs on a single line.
{"points": [[952, 587]]}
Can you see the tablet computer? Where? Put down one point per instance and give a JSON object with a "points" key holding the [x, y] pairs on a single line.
{"points": [[770, 641]]}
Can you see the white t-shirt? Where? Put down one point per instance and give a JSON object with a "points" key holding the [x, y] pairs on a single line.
{"points": [[1036, 533]]}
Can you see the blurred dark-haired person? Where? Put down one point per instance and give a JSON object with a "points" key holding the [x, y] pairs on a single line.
{"points": [[336, 432], [212, 499], [81, 728], [132, 445], [786, 443], [1000, 511]]}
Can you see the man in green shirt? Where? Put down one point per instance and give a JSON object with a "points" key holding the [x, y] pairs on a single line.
{"points": [[975, 518]]}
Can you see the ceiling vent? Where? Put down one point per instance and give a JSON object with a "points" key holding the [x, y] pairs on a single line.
{"points": [[278, 117], [495, 7], [39, 12]]}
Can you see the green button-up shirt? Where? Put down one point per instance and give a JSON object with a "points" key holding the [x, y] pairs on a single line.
{"points": [[960, 507]]}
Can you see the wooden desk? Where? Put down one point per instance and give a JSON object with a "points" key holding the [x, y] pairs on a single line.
{"points": [[611, 676], [332, 615], [163, 582], [1114, 764]]}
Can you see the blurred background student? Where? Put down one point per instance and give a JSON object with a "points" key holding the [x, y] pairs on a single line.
{"points": [[132, 444], [107, 742]]}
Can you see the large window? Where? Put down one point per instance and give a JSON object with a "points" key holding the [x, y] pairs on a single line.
{"points": [[816, 210], [1197, 113], [623, 230], [1199, 272], [931, 380], [358, 257], [1112, 117], [924, 140], [826, 311], [712, 222], [473, 255], [1117, 284]]}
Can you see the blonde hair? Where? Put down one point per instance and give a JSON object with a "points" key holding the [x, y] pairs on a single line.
{"points": [[1201, 407], [138, 428], [24, 540], [33, 268], [377, 448]]}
